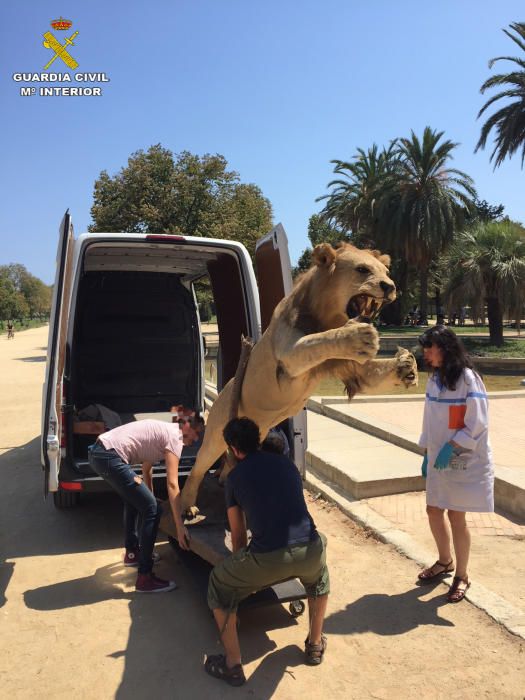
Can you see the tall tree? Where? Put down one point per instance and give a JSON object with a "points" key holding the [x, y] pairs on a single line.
{"points": [[509, 121], [319, 231], [428, 204], [487, 266], [186, 194], [363, 182], [22, 294], [483, 211]]}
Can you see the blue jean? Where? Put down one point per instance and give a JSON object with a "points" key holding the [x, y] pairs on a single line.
{"points": [[138, 501]]}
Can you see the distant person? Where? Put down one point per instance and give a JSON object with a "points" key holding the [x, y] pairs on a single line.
{"points": [[458, 460], [145, 442], [10, 330], [265, 490], [462, 315]]}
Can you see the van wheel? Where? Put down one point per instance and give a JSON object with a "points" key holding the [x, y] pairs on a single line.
{"points": [[65, 499]]}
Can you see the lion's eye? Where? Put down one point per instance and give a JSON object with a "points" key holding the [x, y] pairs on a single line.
{"points": [[362, 270]]}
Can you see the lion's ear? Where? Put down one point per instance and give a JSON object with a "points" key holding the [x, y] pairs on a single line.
{"points": [[385, 259], [323, 255]]}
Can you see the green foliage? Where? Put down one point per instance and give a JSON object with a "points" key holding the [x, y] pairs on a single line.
{"points": [[483, 348], [508, 122], [483, 211], [319, 231], [364, 182], [405, 200], [487, 266], [22, 294], [186, 195]]}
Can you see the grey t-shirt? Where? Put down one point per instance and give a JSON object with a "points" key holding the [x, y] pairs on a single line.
{"points": [[144, 440]]}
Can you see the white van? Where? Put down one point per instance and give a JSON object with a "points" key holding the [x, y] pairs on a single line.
{"points": [[125, 337]]}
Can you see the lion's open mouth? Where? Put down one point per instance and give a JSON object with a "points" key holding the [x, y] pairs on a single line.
{"points": [[364, 307]]}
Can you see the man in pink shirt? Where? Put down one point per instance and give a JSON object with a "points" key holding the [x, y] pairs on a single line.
{"points": [[145, 442]]}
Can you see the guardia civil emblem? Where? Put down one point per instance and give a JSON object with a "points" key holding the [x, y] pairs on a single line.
{"points": [[60, 50]]}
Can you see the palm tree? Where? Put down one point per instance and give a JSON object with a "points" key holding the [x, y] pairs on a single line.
{"points": [[352, 203], [509, 121], [427, 206], [487, 264]]}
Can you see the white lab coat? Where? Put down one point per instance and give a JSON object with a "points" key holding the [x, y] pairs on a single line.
{"points": [[462, 416]]}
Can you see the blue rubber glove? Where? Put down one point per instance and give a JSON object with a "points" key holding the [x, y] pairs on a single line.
{"points": [[424, 466], [444, 456]]}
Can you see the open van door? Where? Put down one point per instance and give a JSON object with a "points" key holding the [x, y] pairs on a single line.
{"points": [[56, 349], [274, 279]]}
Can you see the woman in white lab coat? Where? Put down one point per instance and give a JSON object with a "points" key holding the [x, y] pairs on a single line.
{"points": [[458, 460]]}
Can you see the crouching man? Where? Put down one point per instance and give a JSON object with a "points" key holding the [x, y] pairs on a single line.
{"points": [[144, 442], [265, 490]]}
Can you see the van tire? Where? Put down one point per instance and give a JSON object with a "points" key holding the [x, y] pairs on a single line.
{"points": [[65, 499]]}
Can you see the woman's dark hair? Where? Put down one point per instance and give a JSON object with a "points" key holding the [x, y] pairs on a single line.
{"points": [[455, 357], [243, 434]]}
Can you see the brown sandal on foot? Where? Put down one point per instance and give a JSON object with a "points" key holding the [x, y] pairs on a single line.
{"points": [[314, 652], [430, 575], [216, 667], [457, 590]]}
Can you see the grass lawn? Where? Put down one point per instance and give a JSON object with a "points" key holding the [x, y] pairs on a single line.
{"points": [[481, 348], [333, 387]]}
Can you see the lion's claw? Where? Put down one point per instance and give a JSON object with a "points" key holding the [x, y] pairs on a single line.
{"points": [[407, 368]]}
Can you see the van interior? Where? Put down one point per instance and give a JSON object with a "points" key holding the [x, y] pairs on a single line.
{"points": [[136, 344]]}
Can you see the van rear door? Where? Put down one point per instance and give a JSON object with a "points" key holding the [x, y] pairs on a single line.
{"points": [[56, 349], [274, 279]]}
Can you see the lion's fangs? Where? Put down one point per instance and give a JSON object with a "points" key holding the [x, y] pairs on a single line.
{"points": [[365, 308]]}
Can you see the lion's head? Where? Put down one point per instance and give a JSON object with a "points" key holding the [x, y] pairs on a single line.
{"points": [[349, 283]]}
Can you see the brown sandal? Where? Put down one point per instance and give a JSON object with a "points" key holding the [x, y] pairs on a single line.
{"points": [[314, 652], [429, 574], [455, 593], [216, 667]]}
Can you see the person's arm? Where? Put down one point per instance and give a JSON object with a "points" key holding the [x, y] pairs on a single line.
{"points": [[237, 523], [147, 474], [172, 477]]}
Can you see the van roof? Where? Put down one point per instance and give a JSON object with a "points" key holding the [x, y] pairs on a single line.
{"points": [[187, 256]]}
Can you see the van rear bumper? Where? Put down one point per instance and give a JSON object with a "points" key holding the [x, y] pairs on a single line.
{"points": [[71, 480]]}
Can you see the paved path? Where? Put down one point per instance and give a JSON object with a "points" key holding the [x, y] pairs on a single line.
{"points": [[71, 625], [379, 484]]}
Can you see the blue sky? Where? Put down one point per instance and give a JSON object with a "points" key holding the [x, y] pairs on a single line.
{"points": [[278, 88]]}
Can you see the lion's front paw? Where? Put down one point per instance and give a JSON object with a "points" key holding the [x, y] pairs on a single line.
{"points": [[365, 342], [406, 369]]}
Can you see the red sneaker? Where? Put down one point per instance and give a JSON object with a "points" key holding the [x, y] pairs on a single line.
{"points": [[149, 583], [131, 558]]}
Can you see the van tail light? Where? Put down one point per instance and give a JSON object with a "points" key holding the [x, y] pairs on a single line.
{"points": [[163, 238], [63, 422], [70, 485]]}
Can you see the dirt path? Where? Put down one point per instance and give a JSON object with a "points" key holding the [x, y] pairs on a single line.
{"points": [[71, 625]]}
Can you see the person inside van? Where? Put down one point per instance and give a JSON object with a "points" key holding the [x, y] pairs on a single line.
{"points": [[265, 490], [145, 442]]}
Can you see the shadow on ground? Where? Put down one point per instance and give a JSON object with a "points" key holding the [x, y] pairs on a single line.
{"points": [[169, 634], [32, 526], [388, 614]]}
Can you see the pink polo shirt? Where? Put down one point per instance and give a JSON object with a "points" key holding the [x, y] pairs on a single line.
{"points": [[144, 440]]}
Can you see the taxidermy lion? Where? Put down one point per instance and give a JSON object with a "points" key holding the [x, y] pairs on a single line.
{"points": [[322, 328]]}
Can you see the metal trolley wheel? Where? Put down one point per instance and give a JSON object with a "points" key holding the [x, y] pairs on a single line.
{"points": [[296, 608]]}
